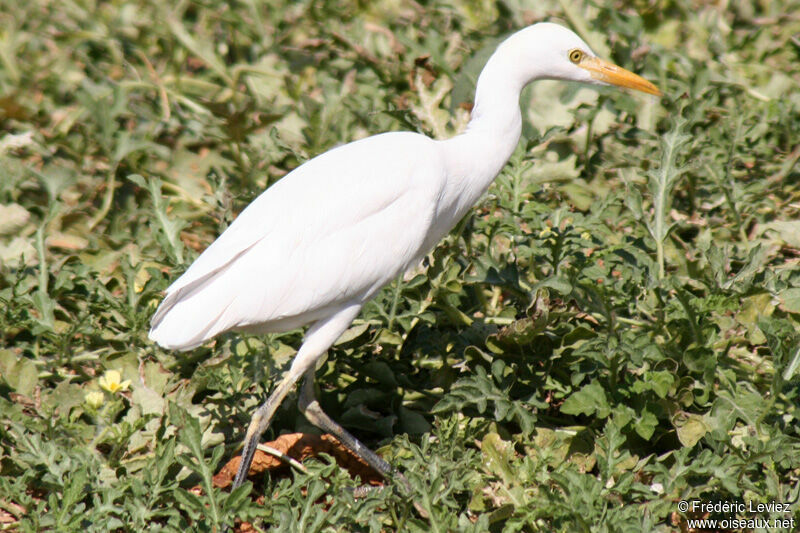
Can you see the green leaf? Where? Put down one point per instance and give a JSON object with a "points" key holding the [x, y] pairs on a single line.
{"points": [[188, 500], [661, 183], [590, 399], [412, 422], [691, 428], [168, 229], [202, 48], [13, 218], [557, 283], [380, 372], [659, 382], [498, 456], [790, 300], [149, 400], [645, 424], [20, 374], [792, 366]]}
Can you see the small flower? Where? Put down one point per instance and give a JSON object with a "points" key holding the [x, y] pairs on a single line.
{"points": [[110, 381], [94, 399], [545, 232], [586, 236], [658, 488]]}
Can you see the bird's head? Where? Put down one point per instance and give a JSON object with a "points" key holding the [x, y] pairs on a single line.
{"points": [[554, 52]]}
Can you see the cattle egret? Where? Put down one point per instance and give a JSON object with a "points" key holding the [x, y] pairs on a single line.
{"points": [[322, 241]]}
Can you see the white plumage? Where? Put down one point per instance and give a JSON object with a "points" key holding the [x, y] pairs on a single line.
{"points": [[314, 247], [325, 234]]}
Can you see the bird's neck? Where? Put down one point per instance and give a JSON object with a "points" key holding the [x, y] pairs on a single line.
{"points": [[496, 111], [477, 156]]}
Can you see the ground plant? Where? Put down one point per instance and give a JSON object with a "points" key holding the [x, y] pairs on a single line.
{"points": [[612, 331]]}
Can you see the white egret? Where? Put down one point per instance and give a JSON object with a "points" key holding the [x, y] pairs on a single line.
{"points": [[322, 241]]}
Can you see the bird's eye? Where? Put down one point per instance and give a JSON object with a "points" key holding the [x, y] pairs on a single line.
{"points": [[575, 55]]}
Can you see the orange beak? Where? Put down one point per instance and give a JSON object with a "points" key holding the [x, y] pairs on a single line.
{"points": [[612, 74]]}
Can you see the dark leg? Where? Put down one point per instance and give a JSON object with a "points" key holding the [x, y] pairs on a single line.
{"points": [[313, 412], [259, 423], [318, 339]]}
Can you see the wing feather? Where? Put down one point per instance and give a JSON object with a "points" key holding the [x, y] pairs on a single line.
{"points": [[335, 229]]}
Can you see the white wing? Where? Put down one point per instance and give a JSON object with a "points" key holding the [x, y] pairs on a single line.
{"points": [[334, 230]]}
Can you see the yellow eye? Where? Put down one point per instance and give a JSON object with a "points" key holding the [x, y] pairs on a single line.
{"points": [[575, 55]]}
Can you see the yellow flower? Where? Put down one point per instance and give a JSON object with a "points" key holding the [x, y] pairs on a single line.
{"points": [[94, 399], [110, 381], [545, 232], [586, 236]]}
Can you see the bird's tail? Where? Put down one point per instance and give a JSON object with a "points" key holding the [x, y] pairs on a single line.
{"points": [[191, 315]]}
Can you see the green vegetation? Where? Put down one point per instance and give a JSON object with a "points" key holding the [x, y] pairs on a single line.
{"points": [[614, 328]]}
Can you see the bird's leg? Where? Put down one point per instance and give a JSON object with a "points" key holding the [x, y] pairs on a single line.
{"points": [[259, 423], [310, 407], [319, 337]]}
